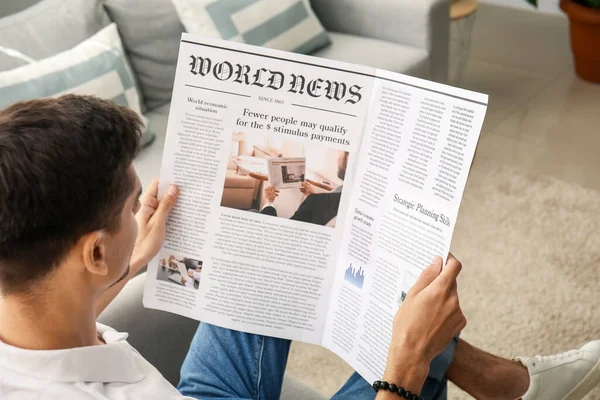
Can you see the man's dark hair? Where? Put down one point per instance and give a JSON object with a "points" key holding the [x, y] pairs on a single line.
{"points": [[63, 173]]}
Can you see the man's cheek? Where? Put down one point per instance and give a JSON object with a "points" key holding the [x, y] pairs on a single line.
{"points": [[134, 230]]}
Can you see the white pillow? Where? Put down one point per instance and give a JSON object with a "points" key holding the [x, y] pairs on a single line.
{"points": [[289, 25], [96, 66]]}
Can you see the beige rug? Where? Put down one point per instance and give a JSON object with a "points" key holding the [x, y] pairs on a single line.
{"points": [[530, 247]]}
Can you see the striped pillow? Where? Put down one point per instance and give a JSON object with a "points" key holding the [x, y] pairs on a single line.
{"points": [[289, 25], [96, 66]]}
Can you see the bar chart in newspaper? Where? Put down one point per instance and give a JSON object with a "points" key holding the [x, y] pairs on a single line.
{"points": [[355, 276]]}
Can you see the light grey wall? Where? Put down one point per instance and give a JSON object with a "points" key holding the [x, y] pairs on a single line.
{"points": [[8, 7]]}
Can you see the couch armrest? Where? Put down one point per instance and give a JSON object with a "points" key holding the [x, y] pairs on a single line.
{"points": [[419, 23]]}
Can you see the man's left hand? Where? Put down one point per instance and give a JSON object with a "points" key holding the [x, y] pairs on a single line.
{"points": [[151, 219], [271, 193]]}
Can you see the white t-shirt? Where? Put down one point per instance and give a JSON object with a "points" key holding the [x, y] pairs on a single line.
{"points": [[114, 371]]}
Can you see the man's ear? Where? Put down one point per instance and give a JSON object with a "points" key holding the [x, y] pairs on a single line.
{"points": [[94, 253]]}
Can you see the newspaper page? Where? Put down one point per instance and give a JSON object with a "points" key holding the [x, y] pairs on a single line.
{"points": [[248, 246], [418, 145]]}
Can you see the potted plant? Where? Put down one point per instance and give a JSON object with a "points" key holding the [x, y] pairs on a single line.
{"points": [[584, 16]]}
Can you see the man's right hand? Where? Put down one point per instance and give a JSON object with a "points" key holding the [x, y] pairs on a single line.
{"points": [[425, 323], [271, 194], [308, 188], [321, 185]]}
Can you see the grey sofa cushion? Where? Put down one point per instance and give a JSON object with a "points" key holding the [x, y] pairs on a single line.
{"points": [[377, 53], [49, 27], [147, 163], [421, 24], [150, 31]]}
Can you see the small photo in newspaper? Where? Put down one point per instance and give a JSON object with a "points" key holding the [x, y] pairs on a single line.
{"points": [[273, 176], [286, 172], [179, 270], [408, 280]]}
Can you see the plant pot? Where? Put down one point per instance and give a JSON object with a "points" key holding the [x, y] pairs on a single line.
{"points": [[585, 39]]}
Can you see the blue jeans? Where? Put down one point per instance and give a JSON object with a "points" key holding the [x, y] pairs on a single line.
{"points": [[226, 364]]}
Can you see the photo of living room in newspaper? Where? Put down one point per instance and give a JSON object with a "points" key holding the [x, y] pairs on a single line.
{"points": [[312, 194], [287, 178]]}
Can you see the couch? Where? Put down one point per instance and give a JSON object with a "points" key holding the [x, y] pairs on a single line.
{"points": [[240, 191], [407, 36]]}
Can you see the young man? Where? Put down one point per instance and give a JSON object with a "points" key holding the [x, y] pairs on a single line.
{"points": [[73, 230]]}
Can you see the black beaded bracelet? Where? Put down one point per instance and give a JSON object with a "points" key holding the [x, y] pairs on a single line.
{"points": [[393, 388]]}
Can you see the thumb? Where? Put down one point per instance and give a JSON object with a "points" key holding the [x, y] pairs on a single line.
{"points": [[427, 276], [166, 204]]}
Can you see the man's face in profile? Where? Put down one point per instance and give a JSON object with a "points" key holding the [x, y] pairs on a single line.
{"points": [[120, 243], [342, 164]]}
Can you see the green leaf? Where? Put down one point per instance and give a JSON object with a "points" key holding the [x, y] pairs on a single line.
{"points": [[534, 2], [592, 3]]}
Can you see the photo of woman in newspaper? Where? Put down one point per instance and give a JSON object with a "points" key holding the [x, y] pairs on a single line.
{"points": [[284, 178], [179, 270]]}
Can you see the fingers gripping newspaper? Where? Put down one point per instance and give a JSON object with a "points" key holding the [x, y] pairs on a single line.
{"points": [[312, 194]]}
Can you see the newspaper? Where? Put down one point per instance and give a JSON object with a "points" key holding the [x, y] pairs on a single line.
{"points": [[286, 172], [312, 194]]}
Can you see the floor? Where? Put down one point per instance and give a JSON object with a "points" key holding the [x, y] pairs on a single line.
{"points": [[542, 120], [541, 116]]}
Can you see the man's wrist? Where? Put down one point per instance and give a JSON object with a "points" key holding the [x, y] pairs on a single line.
{"points": [[410, 378], [405, 368]]}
